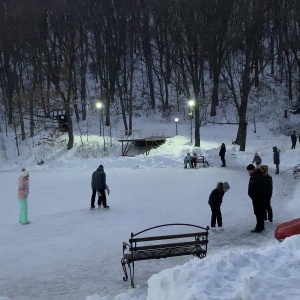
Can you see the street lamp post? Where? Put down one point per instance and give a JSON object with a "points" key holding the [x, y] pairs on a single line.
{"points": [[191, 115], [176, 122], [99, 106]]}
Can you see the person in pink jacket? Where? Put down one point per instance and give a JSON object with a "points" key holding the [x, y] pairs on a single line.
{"points": [[23, 192]]}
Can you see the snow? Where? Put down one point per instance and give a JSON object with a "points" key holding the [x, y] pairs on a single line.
{"points": [[70, 252]]}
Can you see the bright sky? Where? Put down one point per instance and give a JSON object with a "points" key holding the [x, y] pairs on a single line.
{"points": [[69, 252]]}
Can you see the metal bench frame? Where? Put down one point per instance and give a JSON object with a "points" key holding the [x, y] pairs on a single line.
{"points": [[141, 248]]}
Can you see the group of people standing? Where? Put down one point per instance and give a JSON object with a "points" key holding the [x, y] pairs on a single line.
{"points": [[192, 160], [276, 159], [260, 189]]}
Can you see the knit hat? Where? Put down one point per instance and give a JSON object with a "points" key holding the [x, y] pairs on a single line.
{"points": [[24, 173], [226, 186], [101, 167], [250, 167]]}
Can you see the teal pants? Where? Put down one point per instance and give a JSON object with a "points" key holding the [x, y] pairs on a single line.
{"points": [[24, 211]]}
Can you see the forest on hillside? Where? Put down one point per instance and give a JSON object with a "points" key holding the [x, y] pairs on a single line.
{"points": [[146, 54]]}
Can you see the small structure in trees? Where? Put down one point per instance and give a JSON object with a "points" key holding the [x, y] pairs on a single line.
{"points": [[60, 115]]}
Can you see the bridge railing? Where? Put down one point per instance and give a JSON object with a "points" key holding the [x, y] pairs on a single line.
{"points": [[141, 133]]}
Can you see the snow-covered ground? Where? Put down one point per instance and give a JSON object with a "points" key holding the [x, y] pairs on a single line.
{"points": [[70, 252]]}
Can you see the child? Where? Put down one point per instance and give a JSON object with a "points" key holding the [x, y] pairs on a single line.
{"points": [[215, 201], [256, 159], [23, 192], [188, 160]]}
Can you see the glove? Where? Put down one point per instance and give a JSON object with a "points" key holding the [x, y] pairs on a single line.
{"points": [[107, 189]]}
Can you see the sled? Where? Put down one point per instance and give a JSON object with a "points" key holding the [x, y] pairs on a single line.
{"points": [[287, 229], [296, 171], [291, 173]]}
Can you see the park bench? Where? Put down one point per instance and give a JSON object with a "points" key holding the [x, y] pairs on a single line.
{"points": [[201, 160], [141, 247]]}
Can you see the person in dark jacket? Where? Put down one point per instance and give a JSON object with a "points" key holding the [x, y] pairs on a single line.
{"points": [[255, 192], [268, 191], [294, 139], [98, 186], [276, 159], [222, 154], [194, 160], [215, 201]]}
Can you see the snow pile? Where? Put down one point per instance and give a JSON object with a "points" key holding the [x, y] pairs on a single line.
{"points": [[270, 272]]}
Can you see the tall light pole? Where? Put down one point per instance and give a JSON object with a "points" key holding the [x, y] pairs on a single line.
{"points": [[191, 104], [99, 107], [176, 122]]}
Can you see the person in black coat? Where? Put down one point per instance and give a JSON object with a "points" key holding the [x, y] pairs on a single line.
{"points": [[276, 159], [222, 154], [215, 201], [99, 186], [255, 192], [294, 139], [268, 191]]}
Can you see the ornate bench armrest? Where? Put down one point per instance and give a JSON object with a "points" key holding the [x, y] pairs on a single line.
{"points": [[125, 246]]}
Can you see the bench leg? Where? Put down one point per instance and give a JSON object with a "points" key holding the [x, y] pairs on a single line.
{"points": [[124, 262], [131, 274]]}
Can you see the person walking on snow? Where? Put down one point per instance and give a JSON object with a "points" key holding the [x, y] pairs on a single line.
{"points": [[222, 154], [276, 158], [255, 192], [294, 139], [256, 159], [23, 192], [99, 186], [215, 201], [268, 191]]}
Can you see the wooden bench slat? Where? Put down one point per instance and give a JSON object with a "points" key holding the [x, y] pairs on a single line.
{"points": [[170, 245], [166, 237], [164, 253]]}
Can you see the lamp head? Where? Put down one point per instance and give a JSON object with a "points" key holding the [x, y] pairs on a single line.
{"points": [[191, 103], [98, 105]]}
